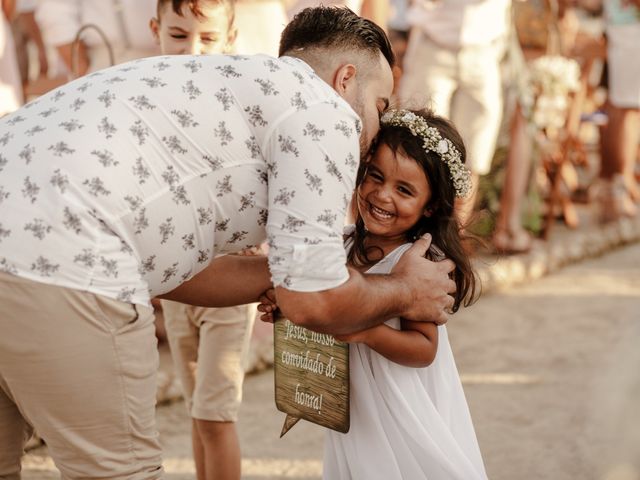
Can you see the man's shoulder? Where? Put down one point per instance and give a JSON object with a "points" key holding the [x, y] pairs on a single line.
{"points": [[286, 87]]}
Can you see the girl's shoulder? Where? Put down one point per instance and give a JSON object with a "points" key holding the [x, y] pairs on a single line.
{"points": [[347, 234], [434, 254], [348, 230], [386, 264]]}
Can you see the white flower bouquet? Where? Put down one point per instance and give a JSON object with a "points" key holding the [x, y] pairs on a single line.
{"points": [[553, 77]]}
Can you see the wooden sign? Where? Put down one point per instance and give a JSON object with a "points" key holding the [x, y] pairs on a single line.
{"points": [[311, 377]]}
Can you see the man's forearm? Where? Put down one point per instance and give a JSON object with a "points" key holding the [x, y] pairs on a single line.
{"points": [[362, 302], [228, 280], [418, 289]]}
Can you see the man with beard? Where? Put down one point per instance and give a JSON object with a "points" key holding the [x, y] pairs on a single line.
{"points": [[125, 184]]}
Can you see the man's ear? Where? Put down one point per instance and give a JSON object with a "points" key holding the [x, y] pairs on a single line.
{"points": [[344, 81], [154, 25]]}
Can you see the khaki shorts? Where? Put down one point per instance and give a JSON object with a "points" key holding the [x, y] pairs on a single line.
{"points": [[209, 347], [81, 369], [464, 86]]}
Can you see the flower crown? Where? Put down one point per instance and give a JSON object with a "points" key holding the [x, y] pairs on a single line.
{"points": [[433, 142]]}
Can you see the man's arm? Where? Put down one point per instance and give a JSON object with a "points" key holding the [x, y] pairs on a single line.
{"points": [[417, 289], [228, 280]]}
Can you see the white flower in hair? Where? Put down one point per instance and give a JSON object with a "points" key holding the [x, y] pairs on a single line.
{"points": [[408, 117], [433, 142]]}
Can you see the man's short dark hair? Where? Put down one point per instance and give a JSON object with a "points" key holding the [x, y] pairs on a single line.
{"points": [[334, 27], [195, 7]]}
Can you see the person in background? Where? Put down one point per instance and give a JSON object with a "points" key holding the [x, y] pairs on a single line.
{"points": [[25, 30], [398, 31], [378, 11], [10, 84], [259, 23], [619, 138], [453, 61], [208, 345], [123, 22], [531, 40]]}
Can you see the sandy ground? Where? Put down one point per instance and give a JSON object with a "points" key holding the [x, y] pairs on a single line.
{"points": [[551, 372]]}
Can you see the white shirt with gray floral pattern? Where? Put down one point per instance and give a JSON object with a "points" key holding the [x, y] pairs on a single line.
{"points": [[127, 182]]}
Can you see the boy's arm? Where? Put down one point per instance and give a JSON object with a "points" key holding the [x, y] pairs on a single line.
{"points": [[417, 289], [413, 346]]}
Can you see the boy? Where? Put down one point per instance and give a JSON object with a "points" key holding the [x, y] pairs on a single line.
{"points": [[208, 345], [196, 27]]}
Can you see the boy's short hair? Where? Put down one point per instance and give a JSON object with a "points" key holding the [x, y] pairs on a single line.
{"points": [[195, 7], [335, 27]]}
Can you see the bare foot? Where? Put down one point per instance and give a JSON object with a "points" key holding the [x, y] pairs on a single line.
{"points": [[512, 242], [631, 185]]}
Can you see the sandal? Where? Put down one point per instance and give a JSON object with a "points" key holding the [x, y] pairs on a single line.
{"points": [[507, 242]]}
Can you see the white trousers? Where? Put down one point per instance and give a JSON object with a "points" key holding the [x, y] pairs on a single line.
{"points": [[463, 85]]}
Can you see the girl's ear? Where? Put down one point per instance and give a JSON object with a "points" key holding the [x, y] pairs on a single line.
{"points": [[428, 211]]}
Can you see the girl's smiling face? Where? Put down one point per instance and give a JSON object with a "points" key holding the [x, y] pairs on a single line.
{"points": [[392, 196]]}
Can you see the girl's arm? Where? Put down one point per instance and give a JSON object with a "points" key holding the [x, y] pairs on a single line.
{"points": [[413, 346]]}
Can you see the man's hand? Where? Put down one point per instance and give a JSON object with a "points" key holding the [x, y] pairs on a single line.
{"points": [[428, 282]]}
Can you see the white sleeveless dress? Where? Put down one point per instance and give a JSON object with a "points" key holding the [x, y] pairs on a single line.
{"points": [[406, 423]]}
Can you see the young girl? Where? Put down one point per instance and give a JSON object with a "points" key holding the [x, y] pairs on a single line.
{"points": [[409, 416]]}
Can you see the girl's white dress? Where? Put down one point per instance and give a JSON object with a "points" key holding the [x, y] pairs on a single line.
{"points": [[406, 423]]}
